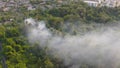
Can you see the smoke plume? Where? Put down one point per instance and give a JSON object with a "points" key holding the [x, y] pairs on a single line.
{"points": [[99, 47]]}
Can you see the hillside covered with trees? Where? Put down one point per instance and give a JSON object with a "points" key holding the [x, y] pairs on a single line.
{"points": [[16, 50]]}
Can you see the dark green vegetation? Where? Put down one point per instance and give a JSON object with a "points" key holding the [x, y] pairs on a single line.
{"points": [[15, 47]]}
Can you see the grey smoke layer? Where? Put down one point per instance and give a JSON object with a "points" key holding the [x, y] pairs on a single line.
{"points": [[100, 48]]}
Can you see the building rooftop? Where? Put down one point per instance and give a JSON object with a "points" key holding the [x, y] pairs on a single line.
{"points": [[91, 1], [109, 3]]}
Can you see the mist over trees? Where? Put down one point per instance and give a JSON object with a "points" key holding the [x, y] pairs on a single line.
{"points": [[17, 50]]}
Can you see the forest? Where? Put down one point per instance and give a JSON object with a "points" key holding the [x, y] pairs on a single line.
{"points": [[17, 52]]}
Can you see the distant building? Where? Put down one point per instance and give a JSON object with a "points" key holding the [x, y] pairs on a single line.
{"points": [[2, 4], [30, 7], [108, 3], [92, 3], [59, 1], [6, 9]]}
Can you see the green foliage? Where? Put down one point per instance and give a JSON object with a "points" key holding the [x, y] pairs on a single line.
{"points": [[48, 64], [2, 33], [55, 22], [72, 18], [16, 48]]}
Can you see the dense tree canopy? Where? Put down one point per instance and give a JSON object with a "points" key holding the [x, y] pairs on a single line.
{"points": [[20, 54]]}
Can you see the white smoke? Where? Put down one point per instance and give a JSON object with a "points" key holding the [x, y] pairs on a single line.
{"points": [[99, 48]]}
